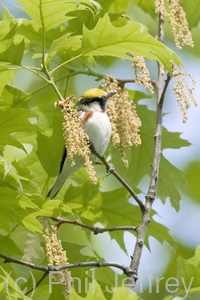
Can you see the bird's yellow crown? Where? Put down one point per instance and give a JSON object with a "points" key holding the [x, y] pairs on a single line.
{"points": [[93, 93]]}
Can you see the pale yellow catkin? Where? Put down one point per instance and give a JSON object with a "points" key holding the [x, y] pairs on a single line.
{"points": [[57, 257], [184, 92], [123, 116], [141, 72], [76, 140], [177, 19]]}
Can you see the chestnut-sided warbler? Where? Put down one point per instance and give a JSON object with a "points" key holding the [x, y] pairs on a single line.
{"points": [[92, 112]]}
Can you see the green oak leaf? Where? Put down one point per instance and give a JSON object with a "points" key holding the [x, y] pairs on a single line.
{"points": [[16, 120], [13, 97], [13, 207], [106, 40], [188, 271], [33, 251], [13, 55], [192, 174], [9, 175], [65, 46], [49, 14], [6, 76], [7, 33]]}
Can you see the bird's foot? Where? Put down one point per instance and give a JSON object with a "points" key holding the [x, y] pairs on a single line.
{"points": [[110, 168]]}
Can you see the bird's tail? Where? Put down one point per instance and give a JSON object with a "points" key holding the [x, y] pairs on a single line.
{"points": [[66, 171]]}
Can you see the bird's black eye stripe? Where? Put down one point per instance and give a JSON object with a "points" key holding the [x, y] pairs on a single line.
{"points": [[91, 100], [100, 100]]}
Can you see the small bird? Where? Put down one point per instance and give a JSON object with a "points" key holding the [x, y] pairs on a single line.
{"points": [[92, 107]]}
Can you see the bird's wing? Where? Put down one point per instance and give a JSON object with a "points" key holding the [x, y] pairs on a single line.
{"points": [[64, 156]]}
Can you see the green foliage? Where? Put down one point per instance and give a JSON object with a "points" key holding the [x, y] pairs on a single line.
{"points": [[147, 6], [192, 175], [189, 271], [105, 39], [16, 121], [69, 38], [48, 15], [192, 12]]}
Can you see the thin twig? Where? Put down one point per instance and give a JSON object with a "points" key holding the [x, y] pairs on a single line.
{"points": [[151, 194], [94, 229], [98, 264], [39, 281], [8, 259], [110, 169], [162, 97]]}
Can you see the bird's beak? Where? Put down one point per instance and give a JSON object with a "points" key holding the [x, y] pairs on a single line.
{"points": [[109, 94]]}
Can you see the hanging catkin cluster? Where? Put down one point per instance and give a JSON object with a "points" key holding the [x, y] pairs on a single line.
{"points": [[76, 140], [57, 257], [123, 117], [184, 92], [141, 72], [177, 19]]}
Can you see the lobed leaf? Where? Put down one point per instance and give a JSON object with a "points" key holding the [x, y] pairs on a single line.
{"points": [[13, 97], [49, 14], [11, 285], [50, 208], [13, 55], [106, 40], [7, 32], [17, 120], [6, 76], [188, 272], [10, 51], [192, 174], [170, 178], [32, 35], [12, 208], [9, 175], [65, 46]]}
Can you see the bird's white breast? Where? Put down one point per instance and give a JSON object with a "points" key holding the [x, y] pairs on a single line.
{"points": [[98, 128]]}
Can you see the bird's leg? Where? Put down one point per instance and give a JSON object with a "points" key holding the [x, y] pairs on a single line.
{"points": [[109, 167]]}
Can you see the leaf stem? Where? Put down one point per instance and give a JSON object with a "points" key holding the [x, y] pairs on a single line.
{"points": [[37, 284], [44, 33], [64, 63], [35, 71]]}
